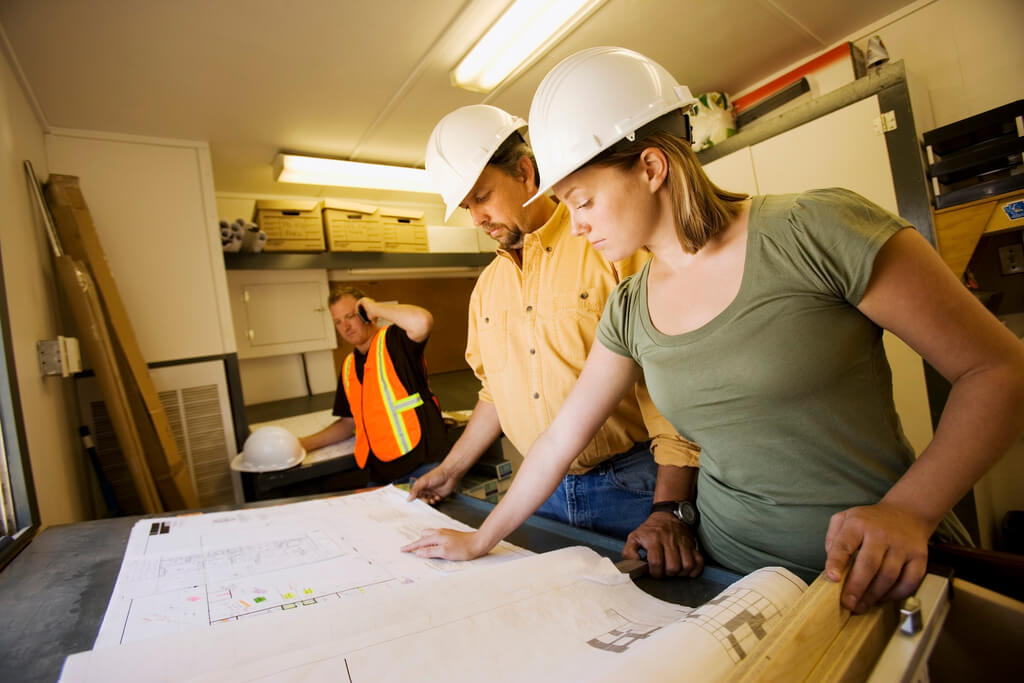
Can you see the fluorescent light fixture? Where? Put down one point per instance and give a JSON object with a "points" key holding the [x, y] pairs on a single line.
{"points": [[290, 168], [522, 34]]}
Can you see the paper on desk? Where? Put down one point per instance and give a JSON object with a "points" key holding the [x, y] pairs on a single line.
{"points": [[567, 614], [191, 572], [311, 423]]}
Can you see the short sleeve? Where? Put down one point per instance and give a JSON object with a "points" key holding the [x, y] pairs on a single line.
{"points": [[837, 235], [615, 330]]}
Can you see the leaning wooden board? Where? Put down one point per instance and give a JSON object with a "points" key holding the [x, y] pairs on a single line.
{"points": [[81, 242], [819, 640]]}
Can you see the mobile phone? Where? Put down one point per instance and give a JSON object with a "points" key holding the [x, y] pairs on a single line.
{"points": [[362, 314]]}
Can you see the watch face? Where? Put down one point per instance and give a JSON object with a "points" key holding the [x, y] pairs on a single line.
{"points": [[687, 513]]}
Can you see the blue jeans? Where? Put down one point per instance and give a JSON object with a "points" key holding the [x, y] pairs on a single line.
{"points": [[612, 499]]}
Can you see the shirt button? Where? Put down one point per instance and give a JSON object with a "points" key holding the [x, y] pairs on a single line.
{"points": [[487, 320], [536, 395], [584, 295], [547, 248], [529, 308], [533, 351]]}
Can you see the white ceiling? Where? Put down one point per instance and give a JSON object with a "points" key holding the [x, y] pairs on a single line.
{"points": [[358, 79]]}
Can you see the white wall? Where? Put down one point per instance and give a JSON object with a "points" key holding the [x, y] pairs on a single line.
{"points": [[58, 465], [962, 57]]}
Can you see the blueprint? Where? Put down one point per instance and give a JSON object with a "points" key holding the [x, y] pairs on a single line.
{"points": [[199, 571], [564, 615]]}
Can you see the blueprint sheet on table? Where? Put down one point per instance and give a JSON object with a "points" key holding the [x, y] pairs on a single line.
{"points": [[194, 572], [564, 615]]}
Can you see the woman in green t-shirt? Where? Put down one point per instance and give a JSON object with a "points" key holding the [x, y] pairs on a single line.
{"points": [[757, 325]]}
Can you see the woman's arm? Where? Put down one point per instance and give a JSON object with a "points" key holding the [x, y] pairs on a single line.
{"points": [[914, 294], [605, 379]]}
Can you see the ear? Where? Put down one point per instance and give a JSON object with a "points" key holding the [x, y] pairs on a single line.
{"points": [[526, 173], [653, 165]]}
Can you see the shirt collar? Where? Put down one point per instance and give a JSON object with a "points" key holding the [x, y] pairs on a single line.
{"points": [[546, 235]]}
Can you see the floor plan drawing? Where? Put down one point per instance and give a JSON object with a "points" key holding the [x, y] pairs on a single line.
{"points": [[203, 570]]}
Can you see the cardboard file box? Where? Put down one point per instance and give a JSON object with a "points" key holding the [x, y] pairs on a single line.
{"points": [[351, 226], [402, 230], [291, 225]]}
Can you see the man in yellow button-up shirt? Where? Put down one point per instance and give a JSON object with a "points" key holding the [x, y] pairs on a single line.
{"points": [[532, 319]]}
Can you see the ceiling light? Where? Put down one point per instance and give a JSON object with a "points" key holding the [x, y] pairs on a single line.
{"points": [[290, 168], [524, 32]]}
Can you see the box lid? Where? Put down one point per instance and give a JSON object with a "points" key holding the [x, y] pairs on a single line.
{"points": [[288, 204], [349, 206], [401, 213]]}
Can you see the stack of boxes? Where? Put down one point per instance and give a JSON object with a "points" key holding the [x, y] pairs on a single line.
{"points": [[340, 226]]}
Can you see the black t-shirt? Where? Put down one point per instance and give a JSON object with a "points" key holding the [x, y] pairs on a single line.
{"points": [[407, 357]]}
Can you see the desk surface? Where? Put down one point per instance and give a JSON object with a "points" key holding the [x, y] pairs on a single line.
{"points": [[54, 594]]}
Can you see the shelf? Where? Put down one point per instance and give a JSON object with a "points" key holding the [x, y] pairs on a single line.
{"points": [[343, 260]]}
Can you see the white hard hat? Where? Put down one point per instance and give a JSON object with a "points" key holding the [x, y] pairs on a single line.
{"points": [[461, 145], [593, 99], [269, 449]]}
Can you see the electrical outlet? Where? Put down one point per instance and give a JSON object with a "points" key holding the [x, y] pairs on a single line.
{"points": [[1011, 259]]}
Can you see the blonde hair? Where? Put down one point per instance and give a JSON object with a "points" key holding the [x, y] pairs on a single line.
{"points": [[339, 291], [702, 209]]}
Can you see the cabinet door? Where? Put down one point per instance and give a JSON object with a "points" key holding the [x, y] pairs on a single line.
{"points": [[843, 149], [153, 206], [734, 172], [280, 312]]}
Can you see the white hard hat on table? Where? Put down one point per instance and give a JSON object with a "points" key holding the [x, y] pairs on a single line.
{"points": [[461, 145], [269, 449], [593, 99]]}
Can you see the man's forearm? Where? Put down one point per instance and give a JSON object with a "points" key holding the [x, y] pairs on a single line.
{"points": [[339, 430], [482, 430], [675, 483], [416, 321]]}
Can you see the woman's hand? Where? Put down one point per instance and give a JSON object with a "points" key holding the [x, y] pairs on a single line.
{"points": [[447, 544], [891, 548]]}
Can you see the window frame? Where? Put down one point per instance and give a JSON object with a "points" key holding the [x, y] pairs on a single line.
{"points": [[17, 498]]}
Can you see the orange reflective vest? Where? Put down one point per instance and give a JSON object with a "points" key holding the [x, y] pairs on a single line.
{"points": [[384, 410]]}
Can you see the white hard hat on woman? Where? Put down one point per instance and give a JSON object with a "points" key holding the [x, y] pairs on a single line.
{"points": [[461, 145], [594, 99]]}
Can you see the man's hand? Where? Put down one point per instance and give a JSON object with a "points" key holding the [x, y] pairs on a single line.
{"points": [[891, 548], [671, 546], [434, 485], [446, 544]]}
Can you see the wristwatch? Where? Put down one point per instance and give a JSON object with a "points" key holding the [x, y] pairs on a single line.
{"points": [[684, 510]]}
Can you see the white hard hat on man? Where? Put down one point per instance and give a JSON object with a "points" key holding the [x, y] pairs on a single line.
{"points": [[594, 99], [461, 145]]}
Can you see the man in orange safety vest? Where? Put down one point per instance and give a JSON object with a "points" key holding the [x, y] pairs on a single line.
{"points": [[383, 396]]}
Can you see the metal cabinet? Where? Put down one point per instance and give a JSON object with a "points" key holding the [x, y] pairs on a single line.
{"points": [[279, 312]]}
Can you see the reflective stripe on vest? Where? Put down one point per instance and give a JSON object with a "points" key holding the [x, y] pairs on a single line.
{"points": [[383, 409]]}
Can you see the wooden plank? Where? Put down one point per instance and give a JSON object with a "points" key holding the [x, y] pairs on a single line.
{"points": [[793, 649], [958, 231], [853, 653], [81, 242], [95, 339]]}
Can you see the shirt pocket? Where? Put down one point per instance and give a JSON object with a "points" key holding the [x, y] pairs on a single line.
{"points": [[492, 333], [575, 322]]}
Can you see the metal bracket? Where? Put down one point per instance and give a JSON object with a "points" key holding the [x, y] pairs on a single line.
{"points": [[59, 356], [884, 122]]}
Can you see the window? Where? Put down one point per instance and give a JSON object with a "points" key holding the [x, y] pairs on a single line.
{"points": [[19, 516]]}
